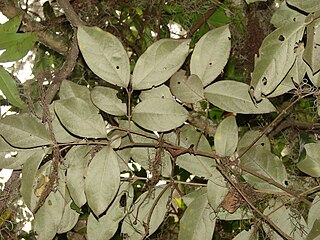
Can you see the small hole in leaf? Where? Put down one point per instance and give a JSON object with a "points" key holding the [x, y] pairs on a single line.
{"points": [[229, 38], [294, 19], [262, 144], [286, 182], [117, 67], [264, 81], [210, 63], [178, 82], [123, 200], [281, 38]]}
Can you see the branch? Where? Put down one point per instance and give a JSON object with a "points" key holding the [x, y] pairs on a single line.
{"points": [[71, 15], [204, 19]]}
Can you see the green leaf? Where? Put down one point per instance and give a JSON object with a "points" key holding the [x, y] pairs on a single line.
{"points": [[219, 17], [314, 212], [276, 56], [312, 52], [233, 96], [11, 26], [211, 54], [246, 235], [239, 214], [10, 90], [16, 45], [159, 114], [106, 226], [188, 90], [285, 15], [102, 180], [287, 220], [305, 5], [77, 116], [70, 89], [248, 138], [262, 161], [197, 165], [69, 218], [161, 91], [24, 131], [314, 233], [190, 197], [217, 189], [78, 158], [197, 221], [226, 137], [159, 62], [140, 211], [106, 99], [104, 55], [29, 173], [47, 218], [60, 133], [253, 1], [311, 163]]}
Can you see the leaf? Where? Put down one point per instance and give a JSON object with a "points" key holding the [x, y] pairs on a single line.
{"points": [[47, 218], [314, 212], [311, 163], [190, 197], [197, 221], [10, 90], [306, 5], [102, 180], [211, 54], [79, 118], [70, 89], [217, 189], [16, 45], [287, 220], [106, 226], [250, 136], [233, 96], [314, 233], [29, 173], [312, 52], [156, 65], [226, 137], [144, 204], [106, 99], [285, 15], [24, 131], [161, 91], [159, 114], [262, 161], [276, 56], [105, 55], [246, 235], [69, 219], [197, 165], [188, 90], [253, 1], [11, 26], [60, 133], [239, 214], [78, 158]]}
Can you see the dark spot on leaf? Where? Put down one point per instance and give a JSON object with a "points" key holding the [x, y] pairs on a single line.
{"points": [[162, 97], [229, 38], [49, 202], [117, 67], [262, 144], [264, 81], [123, 200], [281, 38], [294, 19], [178, 82], [286, 182], [210, 63]]}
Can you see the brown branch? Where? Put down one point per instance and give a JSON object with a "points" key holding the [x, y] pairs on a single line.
{"points": [[65, 71], [204, 19], [71, 15]]}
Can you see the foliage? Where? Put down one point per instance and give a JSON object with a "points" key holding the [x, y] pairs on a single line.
{"points": [[158, 143]]}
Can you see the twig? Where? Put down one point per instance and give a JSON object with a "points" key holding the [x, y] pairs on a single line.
{"points": [[204, 19], [71, 15]]}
